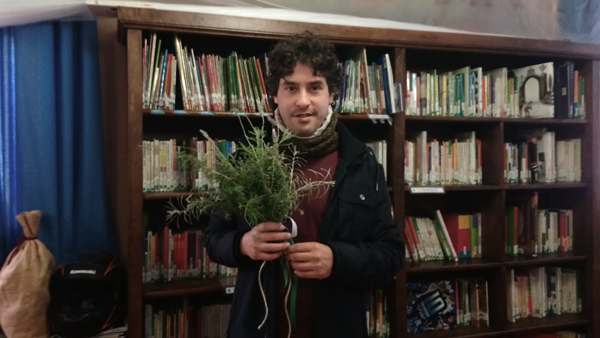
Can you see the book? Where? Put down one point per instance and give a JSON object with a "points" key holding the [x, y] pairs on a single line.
{"points": [[431, 306], [535, 88]]}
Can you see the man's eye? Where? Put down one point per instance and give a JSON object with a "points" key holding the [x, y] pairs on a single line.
{"points": [[316, 88], [290, 88]]}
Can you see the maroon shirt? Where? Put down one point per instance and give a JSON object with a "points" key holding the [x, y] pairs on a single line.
{"points": [[308, 217]]}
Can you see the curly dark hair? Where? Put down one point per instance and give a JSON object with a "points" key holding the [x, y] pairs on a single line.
{"points": [[308, 49]]}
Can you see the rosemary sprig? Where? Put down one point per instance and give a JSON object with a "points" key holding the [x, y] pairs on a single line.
{"points": [[258, 181]]}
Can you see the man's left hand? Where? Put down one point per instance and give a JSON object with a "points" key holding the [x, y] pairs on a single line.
{"points": [[311, 259]]}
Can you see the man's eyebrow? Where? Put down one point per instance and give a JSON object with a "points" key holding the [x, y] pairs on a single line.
{"points": [[288, 82], [315, 82]]}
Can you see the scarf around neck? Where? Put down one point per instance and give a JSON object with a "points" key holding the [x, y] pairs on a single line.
{"points": [[323, 142]]}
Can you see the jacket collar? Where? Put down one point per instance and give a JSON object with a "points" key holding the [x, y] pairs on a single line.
{"points": [[349, 147]]}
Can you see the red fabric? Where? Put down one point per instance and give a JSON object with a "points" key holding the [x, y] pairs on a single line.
{"points": [[308, 217]]}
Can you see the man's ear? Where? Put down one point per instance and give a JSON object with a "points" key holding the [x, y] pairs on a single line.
{"points": [[275, 99], [330, 98]]}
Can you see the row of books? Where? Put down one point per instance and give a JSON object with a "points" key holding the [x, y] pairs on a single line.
{"points": [[531, 231], [215, 83], [543, 291], [378, 316], [368, 88], [184, 320], [547, 232], [171, 256], [543, 160], [447, 304], [164, 170], [444, 237], [529, 92], [433, 162], [207, 82], [159, 69]]}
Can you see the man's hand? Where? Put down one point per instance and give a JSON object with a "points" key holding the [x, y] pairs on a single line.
{"points": [[311, 259], [265, 242]]}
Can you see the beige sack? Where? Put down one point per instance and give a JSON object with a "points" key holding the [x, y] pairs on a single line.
{"points": [[24, 279]]}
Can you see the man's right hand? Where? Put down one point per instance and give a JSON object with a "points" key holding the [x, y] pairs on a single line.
{"points": [[265, 242]]}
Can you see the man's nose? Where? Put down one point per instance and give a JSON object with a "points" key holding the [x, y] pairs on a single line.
{"points": [[302, 100]]}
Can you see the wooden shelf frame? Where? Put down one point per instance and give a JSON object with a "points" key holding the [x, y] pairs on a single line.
{"points": [[120, 40]]}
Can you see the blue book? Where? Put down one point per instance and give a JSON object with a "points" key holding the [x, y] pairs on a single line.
{"points": [[382, 62], [431, 306]]}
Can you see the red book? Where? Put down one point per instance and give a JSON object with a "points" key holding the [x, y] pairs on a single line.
{"points": [[460, 234], [179, 265], [166, 249], [561, 233], [411, 228], [409, 242], [197, 248], [185, 252], [516, 233], [505, 166], [484, 92], [262, 84]]}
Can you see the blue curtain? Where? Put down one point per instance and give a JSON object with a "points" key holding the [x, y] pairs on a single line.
{"points": [[8, 173], [58, 167]]}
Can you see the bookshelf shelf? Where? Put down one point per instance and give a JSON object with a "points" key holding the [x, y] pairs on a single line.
{"points": [[183, 288], [176, 194], [121, 41], [448, 266], [462, 332], [465, 187], [188, 287], [549, 258], [167, 195], [165, 112], [545, 122], [495, 187], [544, 186], [363, 117], [463, 119], [548, 323], [170, 112], [520, 326]]}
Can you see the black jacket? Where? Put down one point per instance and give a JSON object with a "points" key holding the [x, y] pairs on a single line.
{"points": [[359, 229]]}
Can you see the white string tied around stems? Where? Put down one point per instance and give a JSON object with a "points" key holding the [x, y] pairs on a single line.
{"points": [[294, 233]]}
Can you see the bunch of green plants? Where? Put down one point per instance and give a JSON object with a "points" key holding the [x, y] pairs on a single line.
{"points": [[260, 181]]}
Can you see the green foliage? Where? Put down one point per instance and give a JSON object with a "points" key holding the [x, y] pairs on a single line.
{"points": [[258, 181]]}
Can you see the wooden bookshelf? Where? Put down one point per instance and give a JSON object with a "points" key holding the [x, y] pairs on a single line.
{"points": [[121, 32], [547, 323], [522, 326], [545, 259], [544, 186], [169, 112], [167, 195], [490, 187], [450, 267], [457, 120], [463, 332], [183, 288], [190, 287]]}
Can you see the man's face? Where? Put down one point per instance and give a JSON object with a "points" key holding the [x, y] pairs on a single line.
{"points": [[303, 100]]}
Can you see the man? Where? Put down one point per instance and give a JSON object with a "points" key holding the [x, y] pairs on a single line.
{"points": [[347, 241]]}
